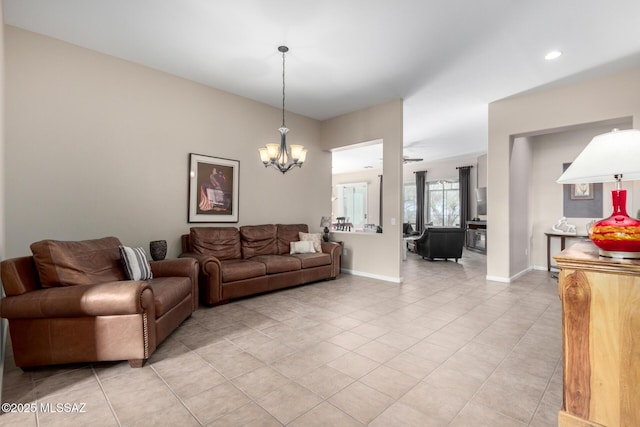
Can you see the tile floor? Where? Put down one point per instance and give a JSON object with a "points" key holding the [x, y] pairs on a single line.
{"points": [[444, 348]]}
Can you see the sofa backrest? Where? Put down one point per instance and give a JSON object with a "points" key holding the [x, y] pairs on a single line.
{"points": [[441, 242], [287, 233], [221, 242], [259, 240], [407, 228], [246, 242], [445, 230], [84, 262]]}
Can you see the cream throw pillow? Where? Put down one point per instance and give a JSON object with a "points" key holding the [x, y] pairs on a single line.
{"points": [[316, 238], [302, 247]]}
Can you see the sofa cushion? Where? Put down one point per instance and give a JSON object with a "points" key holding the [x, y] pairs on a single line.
{"points": [[84, 262], [168, 292], [278, 263], [220, 242], [313, 260], [241, 269], [135, 263], [258, 240], [288, 233]]}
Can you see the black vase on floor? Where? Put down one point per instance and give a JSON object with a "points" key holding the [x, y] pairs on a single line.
{"points": [[158, 249]]}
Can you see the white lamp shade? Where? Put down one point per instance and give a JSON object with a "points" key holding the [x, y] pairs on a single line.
{"points": [[296, 152], [303, 156], [264, 155], [607, 155], [272, 150]]}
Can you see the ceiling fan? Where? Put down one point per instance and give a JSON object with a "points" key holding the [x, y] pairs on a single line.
{"points": [[406, 159]]}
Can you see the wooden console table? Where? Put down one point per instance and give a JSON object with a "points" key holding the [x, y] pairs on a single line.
{"points": [[562, 238], [600, 338]]}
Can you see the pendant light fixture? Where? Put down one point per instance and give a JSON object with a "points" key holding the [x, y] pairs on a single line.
{"points": [[279, 155]]}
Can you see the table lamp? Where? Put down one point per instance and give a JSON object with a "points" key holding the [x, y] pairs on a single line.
{"points": [[326, 223], [611, 157]]}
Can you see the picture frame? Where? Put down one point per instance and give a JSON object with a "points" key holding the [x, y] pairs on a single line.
{"points": [[214, 186], [582, 192], [581, 200]]}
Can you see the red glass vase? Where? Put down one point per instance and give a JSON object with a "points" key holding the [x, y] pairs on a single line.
{"points": [[619, 235]]}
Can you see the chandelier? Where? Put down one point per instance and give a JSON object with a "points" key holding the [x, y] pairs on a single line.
{"points": [[279, 155]]}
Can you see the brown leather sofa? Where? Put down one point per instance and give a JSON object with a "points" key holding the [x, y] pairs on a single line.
{"points": [[70, 302], [237, 262]]}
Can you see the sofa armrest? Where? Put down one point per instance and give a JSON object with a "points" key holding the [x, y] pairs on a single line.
{"points": [[104, 299], [210, 277], [179, 267], [335, 251], [208, 263]]}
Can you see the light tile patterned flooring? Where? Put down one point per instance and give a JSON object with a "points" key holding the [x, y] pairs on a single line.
{"points": [[444, 348]]}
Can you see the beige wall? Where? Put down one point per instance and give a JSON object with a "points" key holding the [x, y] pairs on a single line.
{"points": [[482, 171], [370, 254], [520, 200], [98, 146], [3, 205], [593, 101]]}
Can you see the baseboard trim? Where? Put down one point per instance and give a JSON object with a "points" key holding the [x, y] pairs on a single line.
{"points": [[554, 269], [497, 279], [518, 275], [372, 276], [508, 279]]}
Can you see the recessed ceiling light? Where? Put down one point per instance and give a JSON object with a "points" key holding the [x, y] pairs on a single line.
{"points": [[553, 55]]}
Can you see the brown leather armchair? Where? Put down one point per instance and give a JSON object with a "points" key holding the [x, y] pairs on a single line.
{"points": [[57, 316]]}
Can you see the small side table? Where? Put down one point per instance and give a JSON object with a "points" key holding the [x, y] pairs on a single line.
{"points": [[562, 237], [408, 241]]}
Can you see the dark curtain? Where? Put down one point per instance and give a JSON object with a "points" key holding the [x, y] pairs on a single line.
{"points": [[464, 183], [380, 208], [421, 181]]}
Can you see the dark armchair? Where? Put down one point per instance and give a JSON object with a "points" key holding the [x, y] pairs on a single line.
{"points": [[408, 231], [441, 242]]}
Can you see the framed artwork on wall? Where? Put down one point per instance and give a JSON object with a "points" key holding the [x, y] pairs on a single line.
{"points": [[582, 192], [581, 200], [213, 189]]}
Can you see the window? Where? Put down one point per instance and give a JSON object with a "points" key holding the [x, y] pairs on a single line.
{"points": [[352, 203], [443, 203], [410, 203]]}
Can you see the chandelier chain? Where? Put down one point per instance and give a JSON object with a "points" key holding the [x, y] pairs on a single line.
{"points": [[283, 61]]}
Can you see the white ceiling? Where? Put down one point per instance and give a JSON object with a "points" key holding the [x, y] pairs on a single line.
{"points": [[357, 157], [446, 58]]}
